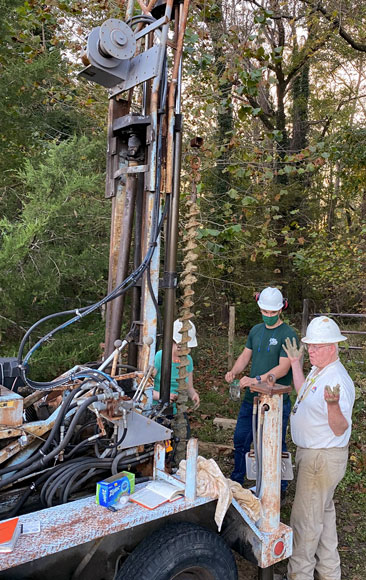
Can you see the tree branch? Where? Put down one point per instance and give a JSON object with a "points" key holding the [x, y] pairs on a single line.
{"points": [[264, 117], [336, 24]]}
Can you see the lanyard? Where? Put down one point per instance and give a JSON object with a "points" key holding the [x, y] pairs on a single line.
{"points": [[307, 386]]}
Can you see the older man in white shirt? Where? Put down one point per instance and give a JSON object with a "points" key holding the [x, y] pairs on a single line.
{"points": [[321, 428]]}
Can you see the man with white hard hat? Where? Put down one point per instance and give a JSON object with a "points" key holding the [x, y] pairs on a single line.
{"points": [[264, 349], [320, 427]]}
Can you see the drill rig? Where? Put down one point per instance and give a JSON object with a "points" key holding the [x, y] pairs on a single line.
{"points": [[103, 418], [60, 437]]}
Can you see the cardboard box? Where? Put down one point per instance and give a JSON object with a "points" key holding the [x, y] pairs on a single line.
{"points": [[111, 489]]}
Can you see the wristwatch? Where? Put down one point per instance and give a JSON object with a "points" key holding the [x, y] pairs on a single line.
{"points": [[258, 378]]}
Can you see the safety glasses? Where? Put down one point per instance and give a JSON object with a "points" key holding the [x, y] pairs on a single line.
{"points": [[315, 347]]}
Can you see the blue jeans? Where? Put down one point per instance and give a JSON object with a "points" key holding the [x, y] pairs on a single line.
{"points": [[243, 438]]}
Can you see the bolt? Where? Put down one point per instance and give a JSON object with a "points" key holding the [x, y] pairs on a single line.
{"points": [[118, 37]]}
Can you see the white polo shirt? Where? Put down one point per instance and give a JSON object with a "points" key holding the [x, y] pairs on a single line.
{"points": [[309, 423]]}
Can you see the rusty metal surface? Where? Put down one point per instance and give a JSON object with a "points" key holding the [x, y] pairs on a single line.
{"points": [[29, 432], [271, 462], [11, 408], [262, 543], [270, 387], [76, 523]]}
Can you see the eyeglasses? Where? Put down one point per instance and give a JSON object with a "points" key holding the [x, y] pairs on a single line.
{"points": [[315, 347]]}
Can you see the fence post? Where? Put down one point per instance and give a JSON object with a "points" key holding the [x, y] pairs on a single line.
{"points": [[230, 358], [305, 316]]}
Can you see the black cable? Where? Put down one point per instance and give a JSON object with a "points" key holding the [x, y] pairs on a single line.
{"points": [[77, 448], [115, 445]]}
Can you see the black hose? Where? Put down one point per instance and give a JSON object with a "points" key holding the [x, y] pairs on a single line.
{"points": [[77, 448], [121, 289], [59, 420], [254, 431], [82, 428], [115, 468], [66, 478], [260, 458], [21, 501], [46, 458], [55, 473]]}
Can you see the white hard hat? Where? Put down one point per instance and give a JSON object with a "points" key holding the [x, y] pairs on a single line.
{"points": [[323, 330], [177, 337], [270, 299]]}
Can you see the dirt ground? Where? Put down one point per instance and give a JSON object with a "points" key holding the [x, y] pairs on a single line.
{"points": [[246, 570]]}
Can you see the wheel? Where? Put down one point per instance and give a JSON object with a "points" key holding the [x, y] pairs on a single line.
{"points": [[180, 551]]}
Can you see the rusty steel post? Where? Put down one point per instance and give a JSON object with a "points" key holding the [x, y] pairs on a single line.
{"points": [[136, 291], [123, 258], [149, 318], [117, 193], [271, 461], [174, 153]]}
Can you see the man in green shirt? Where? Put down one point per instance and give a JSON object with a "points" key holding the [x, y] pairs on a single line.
{"points": [[264, 348]]}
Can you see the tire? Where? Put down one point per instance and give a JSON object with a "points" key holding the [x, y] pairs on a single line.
{"points": [[180, 551]]}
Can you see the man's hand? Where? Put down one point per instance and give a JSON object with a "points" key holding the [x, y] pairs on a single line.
{"points": [[173, 397], [331, 396], [246, 382], [293, 352], [229, 377]]}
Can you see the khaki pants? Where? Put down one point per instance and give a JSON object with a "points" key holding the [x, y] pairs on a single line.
{"points": [[313, 517]]}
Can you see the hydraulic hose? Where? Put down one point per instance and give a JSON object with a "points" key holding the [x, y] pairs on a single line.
{"points": [[42, 451], [115, 467], [67, 479], [264, 409], [80, 313], [254, 430], [59, 469], [40, 463]]}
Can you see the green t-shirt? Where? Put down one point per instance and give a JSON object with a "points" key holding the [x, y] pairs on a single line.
{"points": [[174, 375], [266, 345]]}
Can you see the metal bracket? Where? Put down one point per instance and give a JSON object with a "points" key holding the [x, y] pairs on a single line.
{"points": [[131, 170]]}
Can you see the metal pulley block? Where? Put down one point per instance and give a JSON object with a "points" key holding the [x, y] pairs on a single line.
{"points": [[111, 57], [116, 39], [110, 43]]}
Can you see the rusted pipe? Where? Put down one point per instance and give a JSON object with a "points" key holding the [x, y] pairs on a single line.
{"points": [[137, 257], [123, 258], [172, 93]]}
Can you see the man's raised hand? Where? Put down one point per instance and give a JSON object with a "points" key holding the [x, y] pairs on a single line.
{"points": [[291, 349]]}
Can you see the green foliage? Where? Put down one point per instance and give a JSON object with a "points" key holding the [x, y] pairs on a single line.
{"points": [[54, 253]]}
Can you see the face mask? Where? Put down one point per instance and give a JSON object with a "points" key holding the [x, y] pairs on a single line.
{"points": [[270, 320]]}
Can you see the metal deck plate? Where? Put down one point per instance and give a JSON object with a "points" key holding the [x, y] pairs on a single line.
{"points": [[78, 522]]}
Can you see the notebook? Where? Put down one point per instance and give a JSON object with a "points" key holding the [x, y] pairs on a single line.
{"points": [[9, 533]]}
